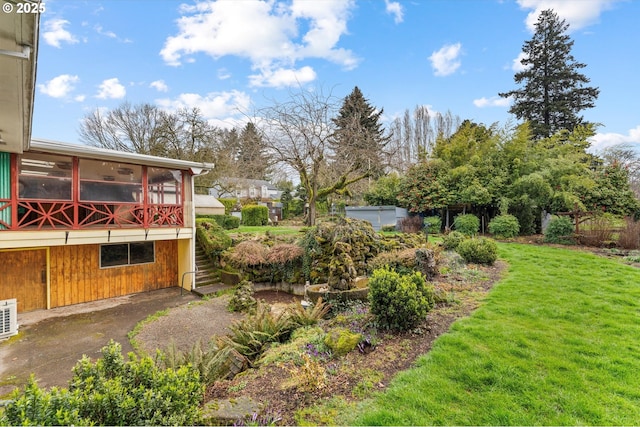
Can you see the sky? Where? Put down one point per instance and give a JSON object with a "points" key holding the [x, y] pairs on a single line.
{"points": [[231, 57]]}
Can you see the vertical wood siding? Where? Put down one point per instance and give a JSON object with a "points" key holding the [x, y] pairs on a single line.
{"points": [[76, 275], [24, 278]]}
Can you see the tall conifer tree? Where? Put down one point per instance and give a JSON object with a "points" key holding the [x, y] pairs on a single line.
{"points": [[554, 92], [358, 142]]}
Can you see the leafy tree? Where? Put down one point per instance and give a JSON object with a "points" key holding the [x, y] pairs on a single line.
{"points": [[384, 192], [554, 92], [424, 187], [299, 132]]}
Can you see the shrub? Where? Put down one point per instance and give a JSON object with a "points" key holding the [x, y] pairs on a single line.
{"points": [[560, 230], [228, 205], [112, 392], [213, 363], [451, 240], [253, 335], [467, 224], [402, 261], [248, 254], [211, 237], [399, 301], [433, 224], [411, 224], [478, 250], [228, 222], [630, 235], [504, 226], [253, 215]]}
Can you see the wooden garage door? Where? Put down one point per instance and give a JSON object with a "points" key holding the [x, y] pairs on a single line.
{"points": [[24, 277]]}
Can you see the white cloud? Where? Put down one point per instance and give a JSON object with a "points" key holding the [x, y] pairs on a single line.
{"points": [[214, 105], [60, 86], [577, 13], [111, 89], [79, 98], [54, 33], [224, 74], [281, 33], [601, 141], [100, 30], [517, 65], [494, 101], [283, 77], [394, 8], [159, 85], [446, 60]]}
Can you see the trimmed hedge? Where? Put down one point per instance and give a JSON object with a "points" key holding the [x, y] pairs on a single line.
{"points": [[504, 226], [228, 222], [254, 215], [211, 237], [228, 205]]}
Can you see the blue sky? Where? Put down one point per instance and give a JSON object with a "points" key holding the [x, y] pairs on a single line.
{"points": [[228, 57]]}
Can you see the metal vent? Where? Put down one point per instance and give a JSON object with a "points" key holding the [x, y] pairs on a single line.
{"points": [[8, 318]]}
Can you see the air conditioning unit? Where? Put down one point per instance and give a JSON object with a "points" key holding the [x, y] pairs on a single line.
{"points": [[8, 318]]}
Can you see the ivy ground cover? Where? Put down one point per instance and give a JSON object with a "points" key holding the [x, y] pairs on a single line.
{"points": [[557, 342]]}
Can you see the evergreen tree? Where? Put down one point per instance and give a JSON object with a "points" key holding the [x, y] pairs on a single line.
{"points": [[253, 161], [358, 142], [554, 91]]}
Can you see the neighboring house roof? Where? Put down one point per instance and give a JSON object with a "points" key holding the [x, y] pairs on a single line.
{"points": [[205, 201], [18, 53], [55, 147]]}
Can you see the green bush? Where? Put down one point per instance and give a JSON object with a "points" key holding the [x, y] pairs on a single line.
{"points": [[451, 240], [478, 250], [112, 391], [228, 205], [467, 224], [560, 230], [211, 237], [402, 261], [228, 222], [399, 302], [433, 224], [254, 215], [504, 226]]}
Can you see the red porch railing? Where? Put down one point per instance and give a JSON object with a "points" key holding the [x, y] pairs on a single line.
{"points": [[58, 214]]}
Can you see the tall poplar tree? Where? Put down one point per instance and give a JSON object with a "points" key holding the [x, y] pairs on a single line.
{"points": [[554, 92]]}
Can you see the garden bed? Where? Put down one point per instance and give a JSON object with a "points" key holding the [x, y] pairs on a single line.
{"points": [[356, 375]]}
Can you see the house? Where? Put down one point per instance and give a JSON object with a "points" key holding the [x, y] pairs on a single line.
{"points": [[234, 188], [79, 223]]}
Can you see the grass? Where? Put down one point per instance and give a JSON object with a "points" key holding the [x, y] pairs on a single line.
{"points": [[555, 343]]}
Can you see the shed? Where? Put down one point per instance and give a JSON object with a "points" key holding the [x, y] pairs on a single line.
{"points": [[378, 216], [207, 205]]}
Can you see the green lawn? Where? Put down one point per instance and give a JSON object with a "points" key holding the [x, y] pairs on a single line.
{"points": [[557, 342]]}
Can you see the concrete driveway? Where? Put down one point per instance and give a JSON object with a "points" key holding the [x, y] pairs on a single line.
{"points": [[50, 342]]}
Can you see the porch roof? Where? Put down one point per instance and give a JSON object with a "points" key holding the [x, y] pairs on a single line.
{"points": [[86, 151]]}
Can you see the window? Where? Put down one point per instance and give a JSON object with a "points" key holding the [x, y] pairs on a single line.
{"points": [[127, 254], [45, 176], [164, 186], [110, 182]]}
